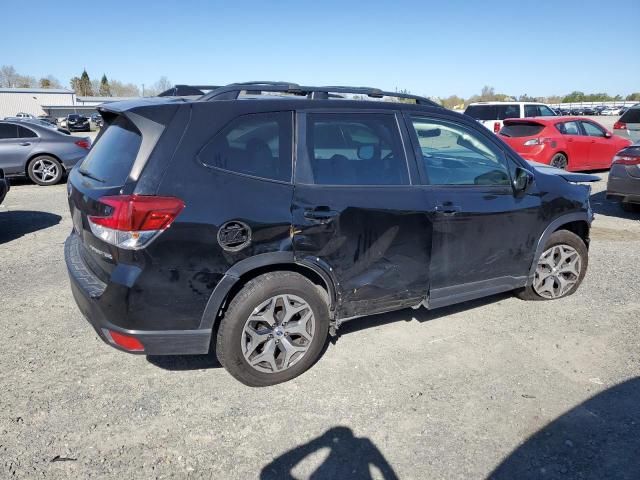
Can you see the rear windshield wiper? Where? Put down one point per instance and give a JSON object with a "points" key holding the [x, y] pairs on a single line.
{"points": [[90, 175]]}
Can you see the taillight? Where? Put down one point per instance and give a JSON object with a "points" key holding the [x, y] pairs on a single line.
{"points": [[626, 160], [496, 127], [134, 221], [83, 144], [539, 141], [619, 126]]}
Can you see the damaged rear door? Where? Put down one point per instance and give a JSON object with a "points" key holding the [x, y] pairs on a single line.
{"points": [[356, 212]]}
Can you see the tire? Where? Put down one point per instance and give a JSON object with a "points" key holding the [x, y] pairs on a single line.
{"points": [[45, 170], [263, 292], [559, 160], [562, 239]]}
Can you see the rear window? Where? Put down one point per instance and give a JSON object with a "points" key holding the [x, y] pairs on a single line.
{"points": [[110, 159], [631, 116], [521, 130], [493, 112]]}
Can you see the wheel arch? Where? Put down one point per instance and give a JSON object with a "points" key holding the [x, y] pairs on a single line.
{"points": [[33, 156], [244, 271], [577, 222]]}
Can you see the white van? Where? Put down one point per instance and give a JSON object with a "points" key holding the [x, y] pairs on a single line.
{"points": [[491, 114]]}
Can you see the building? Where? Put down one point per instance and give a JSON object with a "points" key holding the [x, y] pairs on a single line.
{"points": [[31, 100], [53, 102]]}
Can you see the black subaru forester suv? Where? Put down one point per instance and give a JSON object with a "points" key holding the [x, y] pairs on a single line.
{"points": [[256, 218]]}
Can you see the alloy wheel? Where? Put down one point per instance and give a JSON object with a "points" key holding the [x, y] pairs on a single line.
{"points": [[557, 272], [278, 333], [45, 170]]}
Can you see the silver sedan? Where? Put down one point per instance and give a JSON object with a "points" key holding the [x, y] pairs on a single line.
{"points": [[42, 153]]}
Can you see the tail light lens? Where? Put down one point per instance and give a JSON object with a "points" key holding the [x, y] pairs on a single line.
{"points": [[86, 144], [626, 160], [619, 126], [496, 127], [539, 141], [133, 221]]}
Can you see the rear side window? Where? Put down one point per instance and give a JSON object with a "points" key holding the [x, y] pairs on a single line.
{"points": [[569, 128], [493, 112], [521, 130], [538, 111], [24, 132], [631, 116], [110, 159], [258, 145], [355, 149], [8, 130]]}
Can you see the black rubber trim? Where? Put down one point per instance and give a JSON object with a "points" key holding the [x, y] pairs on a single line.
{"points": [[85, 278]]}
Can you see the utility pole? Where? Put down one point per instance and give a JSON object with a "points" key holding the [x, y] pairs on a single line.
{"points": [[143, 89]]}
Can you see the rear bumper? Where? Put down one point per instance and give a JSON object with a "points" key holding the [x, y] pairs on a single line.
{"points": [[623, 186], [88, 290]]}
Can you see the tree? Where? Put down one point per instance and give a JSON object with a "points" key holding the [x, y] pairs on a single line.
{"points": [[120, 89], [452, 102], [8, 76], [158, 87], [50, 82], [634, 97], [105, 89]]}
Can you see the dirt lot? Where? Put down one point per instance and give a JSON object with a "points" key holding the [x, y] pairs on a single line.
{"points": [[534, 390]]}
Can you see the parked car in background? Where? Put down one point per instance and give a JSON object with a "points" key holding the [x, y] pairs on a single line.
{"points": [[624, 178], [286, 246], [598, 109], [78, 123], [51, 120], [628, 125], [4, 186], [62, 122], [563, 111], [577, 111], [611, 111], [589, 111], [492, 114], [24, 115], [569, 143], [41, 153], [97, 120]]}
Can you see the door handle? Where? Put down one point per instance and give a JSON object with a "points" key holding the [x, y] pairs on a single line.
{"points": [[24, 144], [447, 210], [320, 214]]}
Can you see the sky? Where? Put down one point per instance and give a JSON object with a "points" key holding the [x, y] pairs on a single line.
{"points": [[441, 48]]}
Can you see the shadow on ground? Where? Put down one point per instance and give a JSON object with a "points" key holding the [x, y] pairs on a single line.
{"points": [[207, 361], [610, 208], [348, 457], [598, 439], [16, 223]]}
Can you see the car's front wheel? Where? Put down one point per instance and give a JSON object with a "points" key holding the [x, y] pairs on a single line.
{"points": [[45, 170], [560, 269], [274, 329]]}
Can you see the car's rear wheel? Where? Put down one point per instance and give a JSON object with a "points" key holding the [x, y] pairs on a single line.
{"points": [[560, 269], [45, 170], [274, 329], [560, 160]]}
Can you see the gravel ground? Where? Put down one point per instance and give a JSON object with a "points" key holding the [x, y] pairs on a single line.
{"points": [[498, 387]]}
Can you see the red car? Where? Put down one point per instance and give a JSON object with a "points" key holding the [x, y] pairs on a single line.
{"points": [[571, 143]]}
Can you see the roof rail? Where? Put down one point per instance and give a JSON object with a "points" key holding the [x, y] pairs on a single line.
{"points": [[233, 90], [188, 90]]}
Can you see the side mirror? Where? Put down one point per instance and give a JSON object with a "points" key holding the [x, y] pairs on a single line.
{"points": [[523, 180], [607, 135]]}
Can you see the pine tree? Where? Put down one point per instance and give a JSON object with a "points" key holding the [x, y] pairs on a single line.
{"points": [[105, 88], [85, 85]]}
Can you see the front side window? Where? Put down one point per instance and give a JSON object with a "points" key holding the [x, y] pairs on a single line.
{"points": [[593, 130], [455, 155], [355, 149], [568, 128], [257, 144]]}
